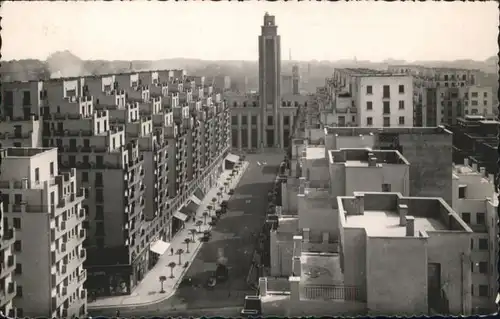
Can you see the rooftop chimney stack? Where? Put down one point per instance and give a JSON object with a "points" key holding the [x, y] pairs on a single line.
{"points": [[360, 204], [410, 226], [372, 161], [403, 212], [482, 170]]}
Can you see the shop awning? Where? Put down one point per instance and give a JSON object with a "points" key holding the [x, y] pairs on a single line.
{"points": [[189, 208], [180, 216], [232, 158], [195, 199], [159, 247], [199, 193]]}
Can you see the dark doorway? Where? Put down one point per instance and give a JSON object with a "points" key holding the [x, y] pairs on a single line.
{"points": [[270, 138]]}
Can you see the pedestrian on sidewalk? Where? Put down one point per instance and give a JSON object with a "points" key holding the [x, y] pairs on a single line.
{"points": [[171, 251]]}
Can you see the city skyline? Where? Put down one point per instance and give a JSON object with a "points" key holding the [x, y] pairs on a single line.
{"points": [[112, 31]]}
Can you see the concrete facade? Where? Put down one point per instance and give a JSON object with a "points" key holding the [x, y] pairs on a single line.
{"points": [[369, 98], [7, 265], [147, 144], [377, 229], [476, 202], [428, 150], [46, 209]]}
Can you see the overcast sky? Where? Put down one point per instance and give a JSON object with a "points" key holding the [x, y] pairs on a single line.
{"points": [[228, 31]]}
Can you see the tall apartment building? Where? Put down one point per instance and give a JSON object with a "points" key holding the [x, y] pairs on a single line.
{"points": [[370, 98], [7, 263], [46, 210], [476, 202], [441, 95], [163, 134]]}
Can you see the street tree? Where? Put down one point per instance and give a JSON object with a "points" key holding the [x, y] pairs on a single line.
{"points": [[172, 265], [198, 224], [187, 241], [179, 252], [193, 232], [162, 279], [205, 215]]}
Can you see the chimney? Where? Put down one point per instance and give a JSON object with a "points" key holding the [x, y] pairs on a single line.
{"points": [[372, 161], [482, 170], [466, 162], [403, 211], [297, 246], [474, 166], [360, 204], [410, 226], [306, 232]]}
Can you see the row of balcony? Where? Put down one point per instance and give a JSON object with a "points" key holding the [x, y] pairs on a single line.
{"points": [[7, 266]]}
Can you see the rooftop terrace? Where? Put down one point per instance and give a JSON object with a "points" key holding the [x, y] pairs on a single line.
{"points": [[352, 131], [24, 151], [387, 214], [366, 156]]}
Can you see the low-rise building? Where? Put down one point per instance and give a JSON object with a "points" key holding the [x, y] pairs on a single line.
{"points": [[476, 202], [46, 210], [388, 260]]}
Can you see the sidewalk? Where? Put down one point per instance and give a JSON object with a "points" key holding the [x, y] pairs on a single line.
{"points": [[147, 291]]}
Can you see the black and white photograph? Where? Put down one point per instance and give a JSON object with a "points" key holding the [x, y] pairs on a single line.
{"points": [[248, 159]]}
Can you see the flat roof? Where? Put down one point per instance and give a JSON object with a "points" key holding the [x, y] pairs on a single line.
{"points": [[360, 156], [320, 269], [351, 131], [386, 224], [315, 153], [369, 72], [26, 151]]}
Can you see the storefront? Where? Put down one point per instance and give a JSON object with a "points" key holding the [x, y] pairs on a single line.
{"points": [[109, 280], [231, 160], [178, 222], [157, 248], [140, 267]]}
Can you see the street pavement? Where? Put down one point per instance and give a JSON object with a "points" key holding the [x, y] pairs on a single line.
{"points": [[235, 235]]}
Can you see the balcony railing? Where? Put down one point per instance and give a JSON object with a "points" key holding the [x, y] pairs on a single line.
{"points": [[327, 292]]}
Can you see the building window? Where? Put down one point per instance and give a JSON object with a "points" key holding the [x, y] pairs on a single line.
{"points": [[369, 89], [234, 119], [401, 105], [401, 89], [19, 291], [483, 244], [244, 120], [480, 219], [17, 246], [19, 269], [472, 243], [485, 94], [99, 212], [51, 168], [466, 217], [473, 102], [474, 94], [85, 177], [386, 187], [461, 191], [369, 105], [286, 120], [387, 121], [17, 222], [386, 92], [369, 121], [18, 198], [485, 102], [8, 99], [26, 98], [99, 195], [483, 290], [37, 175], [270, 120], [98, 179], [254, 120], [401, 120], [387, 107], [483, 267]]}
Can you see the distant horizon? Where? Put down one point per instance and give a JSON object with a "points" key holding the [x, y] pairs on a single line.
{"points": [[223, 31], [256, 60]]}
